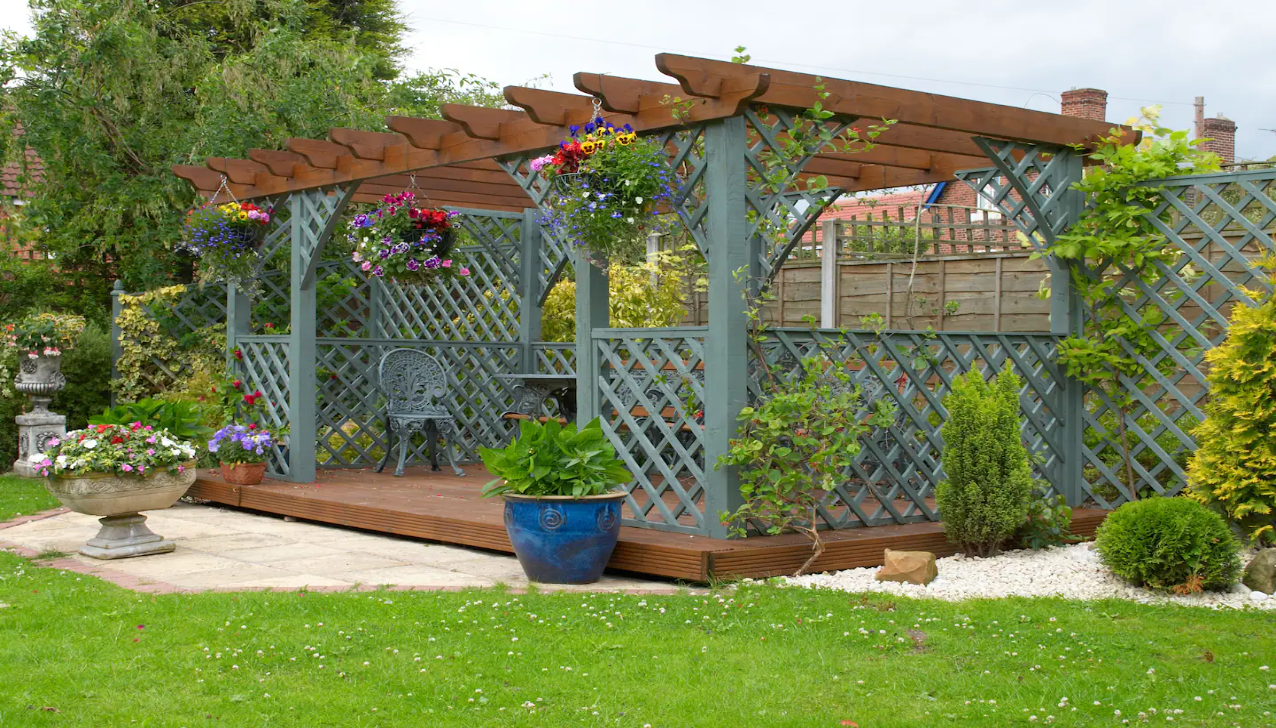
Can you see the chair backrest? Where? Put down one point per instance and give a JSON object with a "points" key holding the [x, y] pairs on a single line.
{"points": [[411, 380]]}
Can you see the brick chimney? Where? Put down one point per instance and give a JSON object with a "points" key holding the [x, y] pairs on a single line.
{"points": [[1221, 133], [1086, 103]]}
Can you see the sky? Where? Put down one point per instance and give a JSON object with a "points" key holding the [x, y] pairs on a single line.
{"points": [[1014, 52]]}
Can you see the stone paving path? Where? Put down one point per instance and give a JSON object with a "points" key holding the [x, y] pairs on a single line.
{"points": [[226, 550]]}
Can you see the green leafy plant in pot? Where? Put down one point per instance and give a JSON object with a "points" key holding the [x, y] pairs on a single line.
{"points": [[562, 499]]}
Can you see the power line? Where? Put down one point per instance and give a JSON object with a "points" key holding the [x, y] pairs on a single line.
{"points": [[643, 46]]}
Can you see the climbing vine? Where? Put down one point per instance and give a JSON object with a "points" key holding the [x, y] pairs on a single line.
{"points": [[1115, 237]]}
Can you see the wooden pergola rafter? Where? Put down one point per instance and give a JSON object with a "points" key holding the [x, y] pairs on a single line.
{"points": [[452, 162]]}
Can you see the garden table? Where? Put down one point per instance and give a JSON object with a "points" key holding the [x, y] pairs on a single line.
{"points": [[534, 389]]}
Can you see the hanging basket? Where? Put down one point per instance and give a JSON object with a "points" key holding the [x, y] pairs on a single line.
{"points": [[570, 181], [249, 236]]}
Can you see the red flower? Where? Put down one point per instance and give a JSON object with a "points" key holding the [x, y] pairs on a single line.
{"points": [[248, 399], [239, 354], [252, 427], [256, 394], [236, 384]]}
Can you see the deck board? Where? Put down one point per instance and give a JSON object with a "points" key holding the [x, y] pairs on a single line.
{"points": [[448, 509]]}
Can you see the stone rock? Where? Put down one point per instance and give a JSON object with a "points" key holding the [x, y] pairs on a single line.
{"points": [[912, 567], [1260, 575]]}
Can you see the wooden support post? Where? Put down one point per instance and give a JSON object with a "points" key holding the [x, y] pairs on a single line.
{"points": [[890, 294], [376, 302], [726, 342], [996, 298], [829, 294], [593, 311], [529, 307], [239, 309], [302, 423], [943, 292]]}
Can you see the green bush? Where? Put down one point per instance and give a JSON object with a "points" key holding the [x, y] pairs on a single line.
{"points": [[1049, 522], [87, 367], [983, 498], [183, 419], [1170, 544]]}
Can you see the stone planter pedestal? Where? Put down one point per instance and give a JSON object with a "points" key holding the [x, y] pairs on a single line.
{"points": [[118, 498], [40, 378]]}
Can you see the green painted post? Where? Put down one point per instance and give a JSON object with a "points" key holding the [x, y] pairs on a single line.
{"points": [[376, 294], [117, 344], [1066, 319], [592, 312], [529, 307], [238, 319], [302, 424], [726, 342]]}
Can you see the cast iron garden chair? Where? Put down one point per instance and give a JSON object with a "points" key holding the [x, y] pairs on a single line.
{"points": [[412, 383]]}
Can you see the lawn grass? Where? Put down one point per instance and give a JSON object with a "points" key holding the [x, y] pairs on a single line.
{"points": [[76, 651], [23, 496]]}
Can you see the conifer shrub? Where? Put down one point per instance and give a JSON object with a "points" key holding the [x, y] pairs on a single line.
{"points": [[1234, 468], [983, 498], [1170, 544]]}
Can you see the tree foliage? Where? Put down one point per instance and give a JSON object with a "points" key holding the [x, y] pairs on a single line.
{"points": [[111, 94]]}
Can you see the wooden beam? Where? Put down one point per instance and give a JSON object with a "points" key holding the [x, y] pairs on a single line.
{"points": [[423, 133], [207, 181], [706, 77], [441, 197], [366, 144], [481, 122], [551, 107], [320, 154], [240, 171], [281, 164], [645, 98]]}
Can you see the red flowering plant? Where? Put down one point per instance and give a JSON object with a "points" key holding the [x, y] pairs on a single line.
{"points": [[406, 243], [609, 189], [133, 449], [242, 404]]}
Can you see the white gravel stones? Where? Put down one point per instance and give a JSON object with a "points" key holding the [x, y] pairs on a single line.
{"points": [[1072, 572]]}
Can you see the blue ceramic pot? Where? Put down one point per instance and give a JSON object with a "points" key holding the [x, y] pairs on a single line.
{"points": [[563, 540]]}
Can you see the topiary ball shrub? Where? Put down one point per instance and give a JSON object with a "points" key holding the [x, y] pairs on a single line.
{"points": [[1170, 544]]}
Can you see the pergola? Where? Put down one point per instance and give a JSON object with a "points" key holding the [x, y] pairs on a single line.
{"points": [[476, 160]]}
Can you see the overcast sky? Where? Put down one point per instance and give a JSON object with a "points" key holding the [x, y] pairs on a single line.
{"points": [[1005, 51]]}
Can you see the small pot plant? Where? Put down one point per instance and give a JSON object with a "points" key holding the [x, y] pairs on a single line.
{"points": [[115, 471], [242, 451], [562, 494]]}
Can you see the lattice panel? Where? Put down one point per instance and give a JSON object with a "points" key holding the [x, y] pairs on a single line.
{"points": [[554, 253], [350, 407], [554, 358], [483, 306], [1033, 191], [651, 388], [1221, 224], [895, 474], [793, 209], [264, 367]]}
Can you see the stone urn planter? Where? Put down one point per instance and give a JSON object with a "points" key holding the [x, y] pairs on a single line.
{"points": [[41, 377], [561, 539], [118, 500], [243, 473]]}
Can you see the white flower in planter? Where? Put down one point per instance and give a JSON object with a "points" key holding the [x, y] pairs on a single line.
{"points": [[89, 444]]}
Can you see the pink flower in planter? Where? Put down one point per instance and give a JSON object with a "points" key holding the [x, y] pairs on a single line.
{"points": [[367, 265], [126, 468], [446, 264]]}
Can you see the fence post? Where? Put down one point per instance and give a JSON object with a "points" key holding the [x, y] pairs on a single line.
{"points": [[727, 340], [529, 308], [117, 346], [238, 319], [592, 311], [829, 274]]}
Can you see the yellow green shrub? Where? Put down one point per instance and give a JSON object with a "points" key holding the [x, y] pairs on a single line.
{"points": [[1234, 468]]}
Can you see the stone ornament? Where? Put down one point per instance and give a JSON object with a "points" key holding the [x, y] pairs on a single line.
{"points": [[40, 377]]}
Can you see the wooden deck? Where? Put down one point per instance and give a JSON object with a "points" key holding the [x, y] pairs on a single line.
{"points": [[444, 508]]}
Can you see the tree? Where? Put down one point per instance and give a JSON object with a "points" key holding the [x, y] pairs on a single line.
{"points": [[111, 94]]}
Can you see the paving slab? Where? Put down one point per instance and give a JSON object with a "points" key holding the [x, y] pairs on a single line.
{"points": [[223, 549]]}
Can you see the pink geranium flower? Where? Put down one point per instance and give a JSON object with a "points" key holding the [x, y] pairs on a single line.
{"points": [[465, 271]]}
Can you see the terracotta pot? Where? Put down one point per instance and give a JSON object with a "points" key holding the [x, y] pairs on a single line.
{"points": [[243, 473], [108, 494]]}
